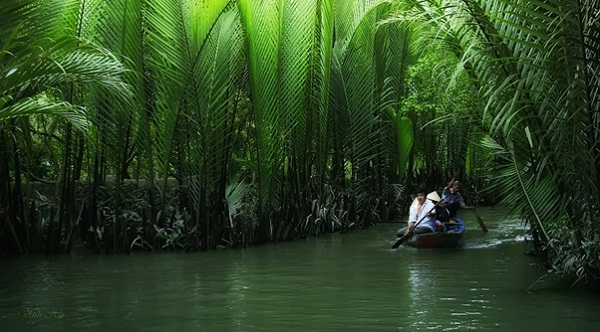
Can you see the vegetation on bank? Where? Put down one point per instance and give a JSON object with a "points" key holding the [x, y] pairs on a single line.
{"points": [[282, 119]]}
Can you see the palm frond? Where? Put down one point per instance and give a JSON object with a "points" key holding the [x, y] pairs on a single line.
{"points": [[58, 66], [118, 26], [358, 72], [262, 23], [47, 106], [171, 65], [202, 15], [321, 83], [296, 65], [216, 83], [235, 194]]}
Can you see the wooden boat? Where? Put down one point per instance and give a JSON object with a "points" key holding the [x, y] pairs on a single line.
{"points": [[452, 237]]}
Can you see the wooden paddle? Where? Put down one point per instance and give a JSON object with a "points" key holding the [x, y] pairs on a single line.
{"points": [[479, 220], [404, 237]]}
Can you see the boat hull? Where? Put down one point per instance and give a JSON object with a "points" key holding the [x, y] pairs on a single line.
{"points": [[452, 237]]}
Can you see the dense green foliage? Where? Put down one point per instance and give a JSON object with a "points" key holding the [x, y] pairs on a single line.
{"points": [[535, 65], [198, 123]]}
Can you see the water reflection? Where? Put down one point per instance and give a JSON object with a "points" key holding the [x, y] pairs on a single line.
{"points": [[421, 294]]}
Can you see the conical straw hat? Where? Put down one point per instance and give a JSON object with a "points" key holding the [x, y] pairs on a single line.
{"points": [[433, 196]]}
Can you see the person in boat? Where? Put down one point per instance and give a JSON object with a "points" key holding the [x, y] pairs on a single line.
{"points": [[454, 200], [442, 216], [422, 208]]}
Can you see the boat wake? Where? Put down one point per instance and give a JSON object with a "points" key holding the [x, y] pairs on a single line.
{"points": [[509, 231]]}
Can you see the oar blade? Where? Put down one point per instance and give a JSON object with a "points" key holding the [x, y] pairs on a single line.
{"points": [[398, 242], [481, 224]]}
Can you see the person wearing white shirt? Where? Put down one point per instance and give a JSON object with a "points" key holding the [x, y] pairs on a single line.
{"points": [[424, 209]]}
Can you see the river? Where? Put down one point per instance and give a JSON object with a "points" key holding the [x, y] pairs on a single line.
{"points": [[349, 282]]}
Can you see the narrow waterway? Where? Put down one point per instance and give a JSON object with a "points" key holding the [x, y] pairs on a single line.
{"points": [[351, 282]]}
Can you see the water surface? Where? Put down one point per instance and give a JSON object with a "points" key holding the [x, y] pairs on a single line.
{"points": [[350, 282]]}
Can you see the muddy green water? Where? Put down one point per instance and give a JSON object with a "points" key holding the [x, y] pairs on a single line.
{"points": [[350, 282]]}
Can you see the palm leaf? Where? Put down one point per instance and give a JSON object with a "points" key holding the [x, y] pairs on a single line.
{"points": [[46, 106], [262, 23], [202, 15], [171, 65], [296, 65], [357, 74], [404, 127], [58, 66], [321, 82], [217, 78]]}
